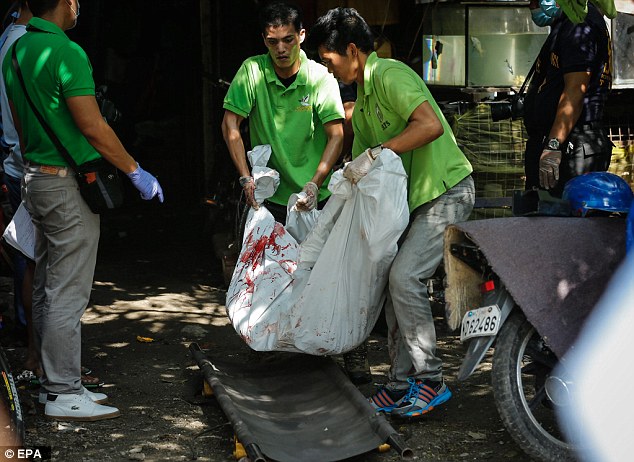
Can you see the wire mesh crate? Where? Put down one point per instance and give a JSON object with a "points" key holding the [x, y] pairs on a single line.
{"points": [[621, 131], [496, 151]]}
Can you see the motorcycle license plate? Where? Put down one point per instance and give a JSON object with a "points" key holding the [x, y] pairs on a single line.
{"points": [[480, 322]]}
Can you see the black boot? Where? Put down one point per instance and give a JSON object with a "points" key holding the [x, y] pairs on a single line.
{"points": [[357, 366]]}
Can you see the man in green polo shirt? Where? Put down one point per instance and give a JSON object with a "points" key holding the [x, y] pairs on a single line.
{"points": [[58, 79], [293, 104], [395, 109]]}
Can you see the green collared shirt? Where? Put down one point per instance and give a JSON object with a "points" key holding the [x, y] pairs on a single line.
{"points": [[390, 92], [54, 68], [290, 119]]}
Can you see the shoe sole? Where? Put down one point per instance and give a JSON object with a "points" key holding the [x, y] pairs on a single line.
{"points": [[64, 418], [430, 407]]}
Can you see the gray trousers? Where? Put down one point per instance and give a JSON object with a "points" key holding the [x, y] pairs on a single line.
{"points": [[66, 240], [411, 331]]}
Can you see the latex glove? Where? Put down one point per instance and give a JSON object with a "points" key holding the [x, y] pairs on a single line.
{"points": [[549, 168], [146, 183], [359, 167], [310, 201], [248, 186]]}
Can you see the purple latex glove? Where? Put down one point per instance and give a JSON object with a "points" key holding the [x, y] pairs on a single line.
{"points": [[147, 185]]}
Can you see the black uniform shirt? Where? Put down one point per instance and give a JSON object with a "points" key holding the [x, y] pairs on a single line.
{"points": [[570, 48]]}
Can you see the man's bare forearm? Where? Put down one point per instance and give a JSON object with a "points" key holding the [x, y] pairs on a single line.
{"points": [[332, 151]]}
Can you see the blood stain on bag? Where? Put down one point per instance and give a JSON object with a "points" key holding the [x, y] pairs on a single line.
{"points": [[256, 250]]}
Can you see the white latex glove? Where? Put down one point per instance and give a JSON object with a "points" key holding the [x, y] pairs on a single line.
{"points": [[310, 201], [549, 168], [248, 186], [360, 166]]}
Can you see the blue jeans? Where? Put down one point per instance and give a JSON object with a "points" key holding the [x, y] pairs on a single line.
{"points": [[66, 240], [19, 262], [411, 331]]}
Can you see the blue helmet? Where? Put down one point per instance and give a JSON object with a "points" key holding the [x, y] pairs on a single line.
{"points": [[598, 191]]}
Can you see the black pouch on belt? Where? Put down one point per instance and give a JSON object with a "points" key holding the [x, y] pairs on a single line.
{"points": [[100, 185]]}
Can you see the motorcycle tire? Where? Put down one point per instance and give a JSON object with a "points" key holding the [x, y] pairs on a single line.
{"points": [[521, 364]]}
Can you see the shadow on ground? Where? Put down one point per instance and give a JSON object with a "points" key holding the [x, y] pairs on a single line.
{"points": [[158, 287]]}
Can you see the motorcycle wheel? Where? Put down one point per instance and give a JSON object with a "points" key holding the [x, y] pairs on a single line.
{"points": [[521, 364]]}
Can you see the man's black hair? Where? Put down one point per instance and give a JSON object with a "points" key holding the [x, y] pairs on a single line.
{"points": [[41, 7], [280, 14], [338, 28]]}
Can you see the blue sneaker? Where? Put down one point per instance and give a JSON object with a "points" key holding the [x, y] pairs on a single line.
{"points": [[422, 397], [385, 400]]}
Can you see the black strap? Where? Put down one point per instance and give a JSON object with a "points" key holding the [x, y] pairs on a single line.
{"points": [[58, 144], [528, 77], [548, 40]]}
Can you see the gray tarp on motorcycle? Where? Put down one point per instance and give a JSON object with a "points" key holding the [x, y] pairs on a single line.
{"points": [[554, 268]]}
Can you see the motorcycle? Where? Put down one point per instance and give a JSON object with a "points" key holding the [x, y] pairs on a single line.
{"points": [[533, 298]]}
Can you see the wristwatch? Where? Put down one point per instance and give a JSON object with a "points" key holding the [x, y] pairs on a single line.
{"points": [[244, 180], [553, 144]]}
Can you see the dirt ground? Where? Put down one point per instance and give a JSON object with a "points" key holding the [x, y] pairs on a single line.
{"points": [[157, 277]]}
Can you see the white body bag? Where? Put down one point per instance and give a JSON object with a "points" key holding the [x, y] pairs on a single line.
{"points": [[324, 296]]}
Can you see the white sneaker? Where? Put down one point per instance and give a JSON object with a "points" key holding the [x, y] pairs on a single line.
{"points": [[77, 408], [99, 398]]}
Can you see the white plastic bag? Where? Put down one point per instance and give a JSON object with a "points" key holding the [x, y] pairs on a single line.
{"points": [[266, 179], [263, 273], [326, 299], [351, 251], [299, 222]]}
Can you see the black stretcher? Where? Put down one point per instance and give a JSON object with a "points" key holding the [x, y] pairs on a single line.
{"points": [[298, 408]]}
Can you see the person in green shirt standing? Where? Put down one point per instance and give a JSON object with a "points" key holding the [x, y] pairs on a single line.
{"points": [[57, 77], [395, 110], [293, 104]]}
